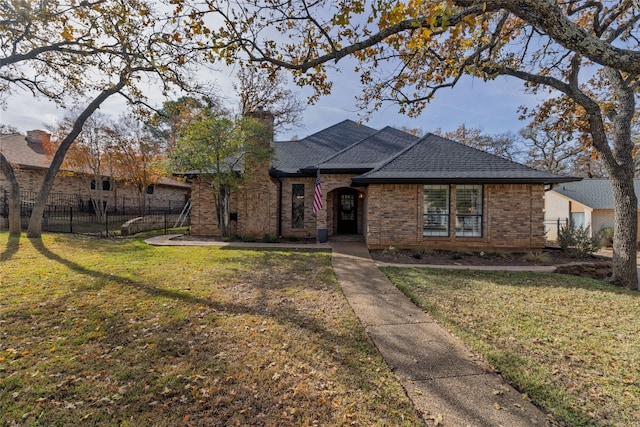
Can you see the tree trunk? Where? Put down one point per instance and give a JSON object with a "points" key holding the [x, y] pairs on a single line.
{"points": [[625, 265], [15, 226], [625, 270], [224, 211], [35, 222]]}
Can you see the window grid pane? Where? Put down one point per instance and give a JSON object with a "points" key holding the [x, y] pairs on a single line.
{"points": [[436, 210], [297, 206], [469, 211]]}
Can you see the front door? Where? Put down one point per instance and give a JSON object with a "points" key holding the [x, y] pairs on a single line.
{"points": [[348, 212]]}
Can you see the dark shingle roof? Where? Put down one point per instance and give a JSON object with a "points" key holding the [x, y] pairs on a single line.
{"points": [[594, 193], [369, 152], [434, 159], [28, 153], [291, 156], [24, 152]]}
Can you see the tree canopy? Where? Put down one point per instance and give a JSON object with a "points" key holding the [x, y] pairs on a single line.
{"points": [[582, 51], [82, 53], [219, 149]]}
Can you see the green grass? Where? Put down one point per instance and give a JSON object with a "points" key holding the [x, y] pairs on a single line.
{"points": [[116, 332], [571, 344]]}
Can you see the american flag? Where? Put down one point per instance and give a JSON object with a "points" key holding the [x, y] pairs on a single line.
{"points": [[317, 197]]}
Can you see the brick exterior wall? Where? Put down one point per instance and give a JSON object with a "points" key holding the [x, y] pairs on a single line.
{"points": [[513, 218], [121, 194], [388, 215], [204, 220], [394, 215], [257, 207], [309, 230]]}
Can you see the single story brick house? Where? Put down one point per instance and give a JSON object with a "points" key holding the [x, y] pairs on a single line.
{"points": [[390, 187], [30, 159], [587, 203]]}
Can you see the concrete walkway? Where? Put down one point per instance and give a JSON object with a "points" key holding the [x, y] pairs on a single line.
{"points": [[447, 383]]}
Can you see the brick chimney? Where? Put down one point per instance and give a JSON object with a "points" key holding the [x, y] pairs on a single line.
{"points": [[267, 118], [39, 136], [258, 201]]}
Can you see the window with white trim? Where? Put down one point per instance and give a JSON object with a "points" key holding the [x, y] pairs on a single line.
{"points": [[469, 211], [435, 220]]}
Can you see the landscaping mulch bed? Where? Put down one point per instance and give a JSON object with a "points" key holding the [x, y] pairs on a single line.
{"points": [[595, 266]]}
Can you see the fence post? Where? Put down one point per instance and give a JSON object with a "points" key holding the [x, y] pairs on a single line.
{"points": [[165, 222], [5, 208], [71, 219]]}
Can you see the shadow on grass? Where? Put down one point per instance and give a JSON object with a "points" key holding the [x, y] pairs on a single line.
{"points": [[283, 313], [459, 279], [177, 344], [13, 245]]}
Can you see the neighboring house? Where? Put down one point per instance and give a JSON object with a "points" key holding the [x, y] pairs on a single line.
{"points": [[390, 187], [30, 161], [585, 203]]}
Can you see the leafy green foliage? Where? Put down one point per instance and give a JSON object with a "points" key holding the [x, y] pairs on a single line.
{"points": [[606, 236], [578, 240], [220, 151]]}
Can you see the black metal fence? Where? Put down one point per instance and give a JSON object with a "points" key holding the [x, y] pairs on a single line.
{"points": [[552, 228], [72, 213]]}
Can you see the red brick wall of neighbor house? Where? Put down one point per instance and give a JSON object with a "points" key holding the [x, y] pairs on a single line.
{"points": [[513, 218], [70, 184]]}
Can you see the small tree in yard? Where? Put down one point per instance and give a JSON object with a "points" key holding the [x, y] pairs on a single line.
{"points": [[91, 154], [137, 154], [217, 148]]}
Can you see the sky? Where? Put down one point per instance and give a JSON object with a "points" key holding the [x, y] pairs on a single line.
{"points": [[491, 106]]}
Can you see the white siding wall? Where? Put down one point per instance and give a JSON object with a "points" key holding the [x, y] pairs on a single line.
{"points": [[555, 206]]}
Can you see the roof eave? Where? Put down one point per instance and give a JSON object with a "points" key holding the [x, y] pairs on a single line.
{"points": [[311, 170], [459, 180]]}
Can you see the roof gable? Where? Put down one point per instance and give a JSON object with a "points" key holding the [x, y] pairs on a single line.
{"points": [[436, 159], [370, 151], [291, 156]]}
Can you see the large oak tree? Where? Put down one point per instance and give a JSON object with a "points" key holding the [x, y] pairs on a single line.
{"points": [[583, 50], [80, 54]]}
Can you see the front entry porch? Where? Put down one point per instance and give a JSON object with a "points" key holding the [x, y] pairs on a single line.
{"points": [[345, 212]]}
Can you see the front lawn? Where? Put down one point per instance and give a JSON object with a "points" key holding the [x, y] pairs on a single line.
{"points": [[571, 344], [116, 332]]}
